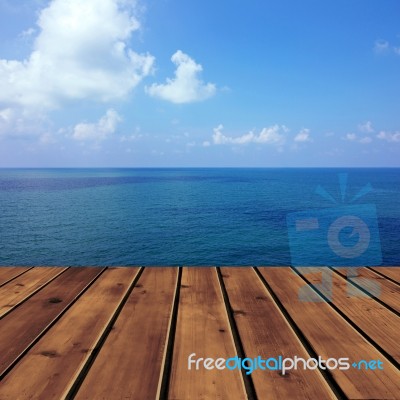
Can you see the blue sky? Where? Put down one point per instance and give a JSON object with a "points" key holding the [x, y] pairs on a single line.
{"points": [[122, 83]]}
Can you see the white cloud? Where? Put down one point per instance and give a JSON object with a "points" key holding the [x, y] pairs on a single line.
{"points": [[352, 137], [270, 135], [7, 120], [303, 136], [6, 115], [130, 138], [79, 53], [365, 140], [185, 87], [47, 138], [389, 136], [27, 33], [381, 46], [366, 127], [99, 131], [17, 122]]}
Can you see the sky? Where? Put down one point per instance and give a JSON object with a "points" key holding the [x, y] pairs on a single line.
{"points": [[177, 83]]}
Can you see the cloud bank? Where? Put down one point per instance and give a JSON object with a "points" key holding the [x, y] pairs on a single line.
{"points": [[99, 131], [389, 136], [271, 135], [79, 53], [352, 137]]}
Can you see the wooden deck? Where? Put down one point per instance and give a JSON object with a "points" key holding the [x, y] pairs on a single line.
{"points": [[126, 333]]}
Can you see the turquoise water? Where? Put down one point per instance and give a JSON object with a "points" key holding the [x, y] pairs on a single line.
{"points": [[175, 216]]}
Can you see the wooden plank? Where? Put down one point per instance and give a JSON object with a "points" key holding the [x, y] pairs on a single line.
{"points": [[20, 328], [361, 309], [265, 332], [387, 291], [331, 336], [129, 365], [390, 272], [8, 273], [51, 366], [203, 328], [24, 286]]}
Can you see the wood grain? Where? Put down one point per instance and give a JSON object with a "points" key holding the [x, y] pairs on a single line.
{"points": [[8, 273], [390, 272], [19, 329], [86, 333], [203, 328], [361, 309], [129, 365], [331, 336], [51, 366], [20, 288], [385, 290], [265, 332]]}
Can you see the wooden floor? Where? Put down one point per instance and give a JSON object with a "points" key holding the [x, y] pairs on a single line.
{"points": [[126, 333]]}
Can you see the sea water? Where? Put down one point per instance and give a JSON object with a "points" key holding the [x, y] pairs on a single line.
{"points": [[208, 216]]}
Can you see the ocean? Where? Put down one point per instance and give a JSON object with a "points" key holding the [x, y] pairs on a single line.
{"points": [[232, 216]]}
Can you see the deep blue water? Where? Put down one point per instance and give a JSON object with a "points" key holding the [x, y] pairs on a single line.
{"points": [[175, 216]]}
